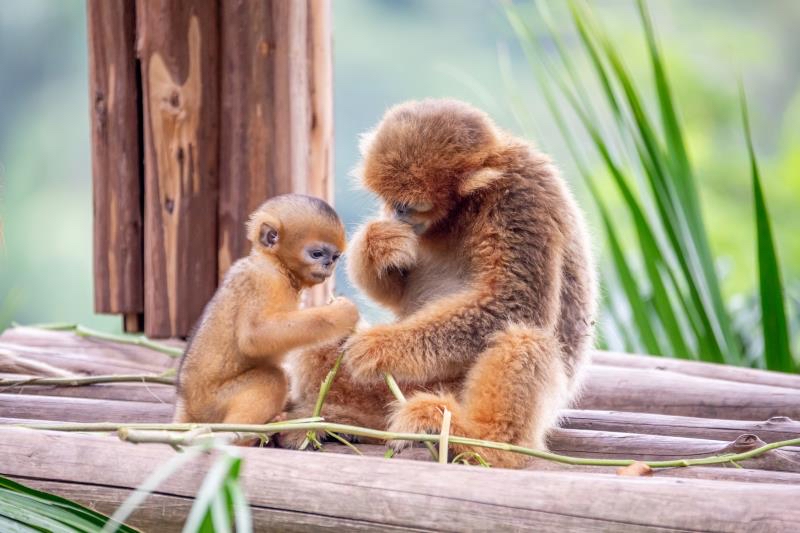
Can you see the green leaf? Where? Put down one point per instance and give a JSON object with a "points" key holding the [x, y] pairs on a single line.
{"points": [[37, 506], [210, 503], [777, 352]]}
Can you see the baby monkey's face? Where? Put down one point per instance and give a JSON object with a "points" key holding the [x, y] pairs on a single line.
{"points": [[319, 260]]}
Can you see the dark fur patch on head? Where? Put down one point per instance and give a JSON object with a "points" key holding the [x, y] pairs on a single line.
{"points": [[318, 204]]}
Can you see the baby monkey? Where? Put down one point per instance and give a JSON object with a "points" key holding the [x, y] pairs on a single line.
{"points": [[231, 369]]}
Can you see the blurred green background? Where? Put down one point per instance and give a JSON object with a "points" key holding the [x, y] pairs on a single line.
{"points": [[385, 52]]}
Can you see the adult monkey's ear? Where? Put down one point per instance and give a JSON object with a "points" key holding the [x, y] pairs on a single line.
{"points": [[480, 179]]}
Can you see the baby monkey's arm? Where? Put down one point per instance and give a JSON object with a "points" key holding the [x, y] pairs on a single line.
{"points": [[277, 333]]}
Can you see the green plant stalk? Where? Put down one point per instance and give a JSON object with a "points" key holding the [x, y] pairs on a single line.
{"points": [[421, 437], [79, 381], [136, 340], [400, 397], [323, 393]]}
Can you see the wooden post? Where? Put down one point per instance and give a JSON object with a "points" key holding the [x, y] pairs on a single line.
{"points": [[233, 106], [178, 49], [116, 159], [277, 120]]}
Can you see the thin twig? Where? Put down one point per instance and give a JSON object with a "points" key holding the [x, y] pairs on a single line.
{"points": [[79, 381], [446, 415], [323, 393], [136, 340], [400, 397], [344, 441], [305, 425]]}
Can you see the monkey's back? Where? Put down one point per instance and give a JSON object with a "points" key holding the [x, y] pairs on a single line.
{"points": [[211, 357]]}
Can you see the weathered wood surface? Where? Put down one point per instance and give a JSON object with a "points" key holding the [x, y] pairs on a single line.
{"points": [[770, 430], [665, 392], [68, 351], [82, 409], [116, 155], [138, 392], [337, 491], [276, 100], [610, 388], [573, 442], [696, 368], [178, 45]]}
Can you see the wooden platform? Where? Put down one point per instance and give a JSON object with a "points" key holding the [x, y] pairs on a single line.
{"points": [[635, 407]]}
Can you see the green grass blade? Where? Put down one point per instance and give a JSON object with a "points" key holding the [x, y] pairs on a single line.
{"points": [[777, 352], [150, 484], [241, 509], [209, 502]]}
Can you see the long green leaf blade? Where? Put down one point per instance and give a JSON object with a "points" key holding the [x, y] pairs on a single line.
{"points": [[777, 352]]}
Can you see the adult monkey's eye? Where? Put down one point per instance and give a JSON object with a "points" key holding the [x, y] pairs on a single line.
{"points": [[402, 209]]}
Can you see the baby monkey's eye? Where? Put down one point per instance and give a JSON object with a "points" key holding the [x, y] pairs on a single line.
{"points": [[336, 256], [316, 254]]}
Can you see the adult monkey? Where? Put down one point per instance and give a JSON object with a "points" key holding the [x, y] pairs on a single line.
{"points": [[483, 256]]}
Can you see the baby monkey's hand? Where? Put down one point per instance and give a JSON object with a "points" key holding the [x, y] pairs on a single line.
{"points": [[344, 315], [391, 244]]}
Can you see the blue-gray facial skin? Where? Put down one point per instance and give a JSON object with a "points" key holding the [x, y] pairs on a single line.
{"points": [[322, 258], [414, 215]]}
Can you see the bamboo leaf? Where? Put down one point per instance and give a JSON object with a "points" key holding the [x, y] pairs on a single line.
{"points": [[777, 352]]}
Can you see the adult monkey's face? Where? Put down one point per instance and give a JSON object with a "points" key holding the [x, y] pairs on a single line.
{"points": [[422, 156]]}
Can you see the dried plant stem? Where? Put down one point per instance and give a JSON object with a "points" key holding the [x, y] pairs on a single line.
{"points": [[178, 439], [316, 425], [165, 378], [400, 397], [446, 415], [323, 393], [136, 340]]}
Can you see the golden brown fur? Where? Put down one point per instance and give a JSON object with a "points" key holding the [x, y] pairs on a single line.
{"points": [[231, 370], [483, 256]]}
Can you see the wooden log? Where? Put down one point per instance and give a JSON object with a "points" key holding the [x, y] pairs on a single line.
{"points": [[82, 356], [697, 368], [116, 157], [770, 430], [665, 392], [82, 409], [608, 445], [750, 475], [145, 392], [178, 46], [33, 341], [376, 492]]}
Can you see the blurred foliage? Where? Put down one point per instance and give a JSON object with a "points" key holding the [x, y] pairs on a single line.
{"points": [[662, 290], [386, 51]]}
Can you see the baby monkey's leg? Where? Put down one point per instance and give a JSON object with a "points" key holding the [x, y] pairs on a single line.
{"points": [[512, 394], [255, 397]]}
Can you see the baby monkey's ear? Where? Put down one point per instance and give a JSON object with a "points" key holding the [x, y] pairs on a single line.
{"points": [[268, 236], [264, 229], [478, 180]]}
